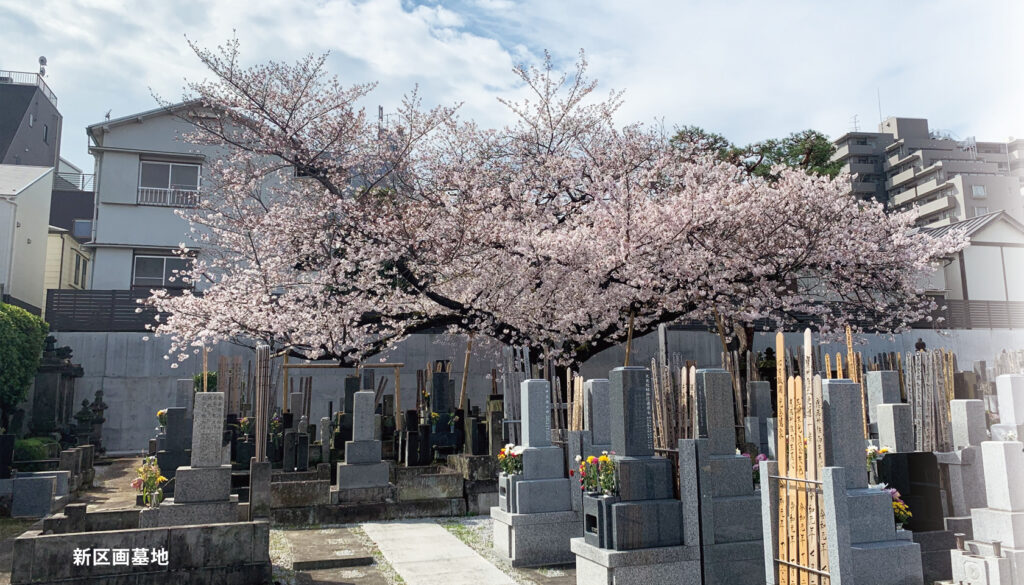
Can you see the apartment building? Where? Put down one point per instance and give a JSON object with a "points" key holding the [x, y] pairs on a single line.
{"points": [[30, 125], [905, 166]]}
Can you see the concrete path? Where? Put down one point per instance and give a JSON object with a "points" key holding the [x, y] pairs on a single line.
{"points": [[424, 553]]}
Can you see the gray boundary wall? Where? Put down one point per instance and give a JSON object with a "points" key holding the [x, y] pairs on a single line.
{"points": [[229, 554], [137, 380]]}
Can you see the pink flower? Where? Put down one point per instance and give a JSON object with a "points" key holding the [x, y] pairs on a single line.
{"points": [[137, 483]]}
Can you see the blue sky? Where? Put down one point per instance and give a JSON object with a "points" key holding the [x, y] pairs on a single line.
{"points": [[747, 69]]}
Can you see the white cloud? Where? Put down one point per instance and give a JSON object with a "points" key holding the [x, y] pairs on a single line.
{"points": [[747, 69]]}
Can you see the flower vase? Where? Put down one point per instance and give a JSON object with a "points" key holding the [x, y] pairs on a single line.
{"points": [[899, 526]]}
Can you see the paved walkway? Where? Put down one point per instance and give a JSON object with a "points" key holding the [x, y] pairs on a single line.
{"points": [[424, 553]]}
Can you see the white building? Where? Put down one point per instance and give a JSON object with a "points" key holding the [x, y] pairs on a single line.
{"points": [[24, 225], [145, 170]]}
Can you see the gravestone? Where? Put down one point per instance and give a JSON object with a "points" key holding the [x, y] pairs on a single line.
{"points": [[325, 440], [760, 410], [184, 395], [895, 427], [883, 387], [363, 467], [963, 467], [995, 556], [350, 389], [177, 441], [534, 519], [495, 416], [597, 413], [1010, 390], [721, 509], [634, 535], [440, 393], [202, 493]]}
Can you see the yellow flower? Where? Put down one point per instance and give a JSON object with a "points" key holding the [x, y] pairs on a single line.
{"points": [[161, 479], [603, 459], [591, 459], [883, 450]]}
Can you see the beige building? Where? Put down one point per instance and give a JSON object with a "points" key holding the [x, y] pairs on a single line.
{"points": [[906, 166], [67, 261]]}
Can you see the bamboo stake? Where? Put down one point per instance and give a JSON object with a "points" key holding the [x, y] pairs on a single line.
{"points": [[782, 452], [465, 374], [828, 366], [839, 366], [863, 393]]}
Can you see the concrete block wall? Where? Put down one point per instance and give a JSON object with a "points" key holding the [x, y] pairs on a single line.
{"points": [[137, 380]]}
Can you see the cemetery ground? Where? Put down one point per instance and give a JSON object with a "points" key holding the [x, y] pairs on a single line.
{"points": [[297, 551]]}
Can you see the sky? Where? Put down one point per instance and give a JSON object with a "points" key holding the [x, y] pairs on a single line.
{"points": [[749, 70]]}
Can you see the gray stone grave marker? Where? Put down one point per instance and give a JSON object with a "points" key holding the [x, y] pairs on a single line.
{"points": [[629, 401]]}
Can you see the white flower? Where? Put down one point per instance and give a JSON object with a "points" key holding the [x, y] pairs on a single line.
{"points": [[579, 458], [518, 450]]}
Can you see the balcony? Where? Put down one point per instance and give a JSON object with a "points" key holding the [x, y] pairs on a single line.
{"points": [[848, 150], [26, 78], [74, 182], [99, 310], [168, 197], [865, 187], [939, 205], [896, 160]]}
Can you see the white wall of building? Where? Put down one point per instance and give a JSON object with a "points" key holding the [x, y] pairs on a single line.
{"points": [[27, 238]]}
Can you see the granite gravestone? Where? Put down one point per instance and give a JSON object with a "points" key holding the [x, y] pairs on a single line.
{"points": [[964, 466], [760, 410], [995, 556], [202, 492], [363, 467], [534, 520], [175, 449], [635, 534], [883, 387], [1010, 389], [721, 509]]}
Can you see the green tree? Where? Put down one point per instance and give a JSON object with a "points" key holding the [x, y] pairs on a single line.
{"points": [[21, 346], [808, 150]]}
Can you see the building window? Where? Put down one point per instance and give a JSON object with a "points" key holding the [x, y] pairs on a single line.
{"points": [[78, 268], [979, 211], [31, 120], [81, 228], [46, 134], [978, 192], [159, 272], [168, 184], [85, 268]]}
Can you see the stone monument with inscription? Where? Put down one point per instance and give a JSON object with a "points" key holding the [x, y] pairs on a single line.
{"points": [[534, 520], [202, 493], [964, 466]]}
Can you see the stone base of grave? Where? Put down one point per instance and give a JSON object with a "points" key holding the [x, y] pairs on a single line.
{"points": [[540, 496], [296, 494], [935, 559], [978, 564], [171, 513], [365, 495], [536, 540], [1006, 432], [669, 564], [202, 484], [362, 475], [894, 561], [734, 563]]}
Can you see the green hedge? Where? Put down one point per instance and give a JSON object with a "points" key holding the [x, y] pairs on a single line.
{"points": [[32, 449], [21, 347]]}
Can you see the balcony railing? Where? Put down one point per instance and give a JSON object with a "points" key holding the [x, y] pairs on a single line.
{"points": [[100, 310], [168, 197], [26, 78], [74, 182]]}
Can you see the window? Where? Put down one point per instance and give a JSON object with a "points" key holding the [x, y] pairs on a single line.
{"points": [[46, 134], [78, 267], [166, 183], [85, 268], [978, 211], [159, 272], [31, 120], [978, 192], [81, 228]]}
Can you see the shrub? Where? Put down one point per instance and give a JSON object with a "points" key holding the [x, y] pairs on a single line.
{"points": [[32, 449], [21, 347]]}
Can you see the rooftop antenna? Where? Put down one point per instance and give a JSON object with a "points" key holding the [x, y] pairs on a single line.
{"points": [[107, 115], [854, 124], [42, 66], [878, 93]]}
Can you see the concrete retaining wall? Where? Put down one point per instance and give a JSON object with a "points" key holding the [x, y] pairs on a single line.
{"points": [[137, 380]]}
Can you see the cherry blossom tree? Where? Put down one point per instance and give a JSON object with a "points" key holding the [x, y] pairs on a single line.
{"points": [[336, 236]]}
